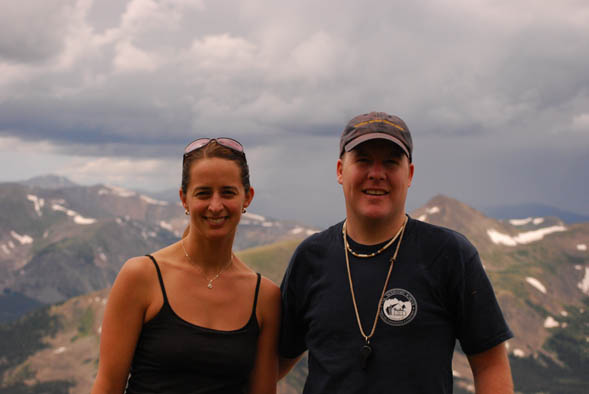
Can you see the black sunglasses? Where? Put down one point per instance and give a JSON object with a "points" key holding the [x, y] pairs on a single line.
{"points": [[224, 141]]}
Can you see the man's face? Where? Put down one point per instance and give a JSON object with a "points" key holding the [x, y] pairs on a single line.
{"points": [[375, 177]]}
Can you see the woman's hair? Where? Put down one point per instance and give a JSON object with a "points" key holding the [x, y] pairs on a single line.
{"points": [[213, 149]]}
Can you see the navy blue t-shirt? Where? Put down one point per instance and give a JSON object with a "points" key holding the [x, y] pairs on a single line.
{"points": [[438, 292]]}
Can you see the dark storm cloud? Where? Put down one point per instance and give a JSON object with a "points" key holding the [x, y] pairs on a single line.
{"points": [[32, 32], [494, 81]]}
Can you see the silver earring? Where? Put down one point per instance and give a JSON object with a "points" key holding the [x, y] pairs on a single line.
{"points": [[186, 212], [243, 210]]}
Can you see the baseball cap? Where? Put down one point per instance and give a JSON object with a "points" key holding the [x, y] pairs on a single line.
{"points": [[376, 125]]}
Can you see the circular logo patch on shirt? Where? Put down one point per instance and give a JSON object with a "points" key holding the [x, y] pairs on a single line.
{"points": [[398, 307]]}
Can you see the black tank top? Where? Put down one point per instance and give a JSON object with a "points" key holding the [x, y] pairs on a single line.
{"points": [[174, 356]]}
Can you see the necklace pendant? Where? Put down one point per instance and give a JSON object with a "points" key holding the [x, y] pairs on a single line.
{"points": [[365, 353], [210, 285]]}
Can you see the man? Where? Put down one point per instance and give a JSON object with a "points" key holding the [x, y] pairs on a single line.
{"points": [[380, 299]]}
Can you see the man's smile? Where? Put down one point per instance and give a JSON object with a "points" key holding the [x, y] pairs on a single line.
{"points": [[375, 192]]}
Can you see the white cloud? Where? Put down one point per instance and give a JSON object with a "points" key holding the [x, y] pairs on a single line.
{"points": [[223, 52], [129, 58], [317, 56], [581, 122], [128, 173]]}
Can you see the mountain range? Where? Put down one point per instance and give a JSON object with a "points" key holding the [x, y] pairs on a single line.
{"points": [[59, 240], [539, 267]]}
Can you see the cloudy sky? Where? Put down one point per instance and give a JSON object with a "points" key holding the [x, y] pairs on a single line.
{"points": [[496, 93]]}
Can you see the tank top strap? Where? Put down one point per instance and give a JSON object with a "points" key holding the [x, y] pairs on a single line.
{"points": [[159, 276], [256, 295]]}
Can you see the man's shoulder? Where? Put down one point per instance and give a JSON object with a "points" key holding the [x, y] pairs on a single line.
{"points": [[432, 235], [320, 244], [322, 238]]}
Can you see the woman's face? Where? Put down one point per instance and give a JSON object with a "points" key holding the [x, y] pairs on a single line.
{"points": [[215, 197]]}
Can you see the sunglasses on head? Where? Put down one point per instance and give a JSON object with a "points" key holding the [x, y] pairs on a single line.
{"points": [[224, 141]]}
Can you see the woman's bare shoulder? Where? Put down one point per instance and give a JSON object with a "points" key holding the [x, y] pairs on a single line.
{"points": [[269, 286], [269, 293], [138, 269]]}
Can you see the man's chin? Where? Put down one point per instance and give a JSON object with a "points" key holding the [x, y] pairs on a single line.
{"points": [[375, 215]]}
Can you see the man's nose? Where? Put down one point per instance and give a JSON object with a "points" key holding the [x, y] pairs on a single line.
{"points": [[376, 171]]}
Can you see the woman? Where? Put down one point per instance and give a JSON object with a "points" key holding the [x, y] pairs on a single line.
{"points": [[192, 317]]}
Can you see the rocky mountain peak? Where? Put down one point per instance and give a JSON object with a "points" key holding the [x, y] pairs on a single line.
{"points": [[49, 182]]}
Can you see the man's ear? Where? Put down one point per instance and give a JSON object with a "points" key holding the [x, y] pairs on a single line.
{"points": [[411, 171], [339, 170]]}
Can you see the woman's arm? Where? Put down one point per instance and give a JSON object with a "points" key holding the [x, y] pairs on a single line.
{"points": [[285, 365], [121, 325], [265, 372]]}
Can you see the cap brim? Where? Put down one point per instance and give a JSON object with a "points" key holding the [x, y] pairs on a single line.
{"points": [[373, 136]]}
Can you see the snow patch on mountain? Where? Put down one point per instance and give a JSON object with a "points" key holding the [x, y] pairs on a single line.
{"points": [[522, 238], [428, 211], [582, 247], [117, 191], [550, 322], [153, 201], [537, 284], [536, 235], [5, 249], [523, 222], [82, 220], [23, 239], [584, 284], [37, 202], [253, 216], [79, 219], [148, 234], [518, 353], [256, 220], [500, 238], [60, 350], [302, 230], [165, 225], [297, 230], [520, 222]]}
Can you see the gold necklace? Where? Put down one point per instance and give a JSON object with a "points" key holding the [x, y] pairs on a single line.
{"points": [[210, 284], [366, 350], [379, 251]]}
